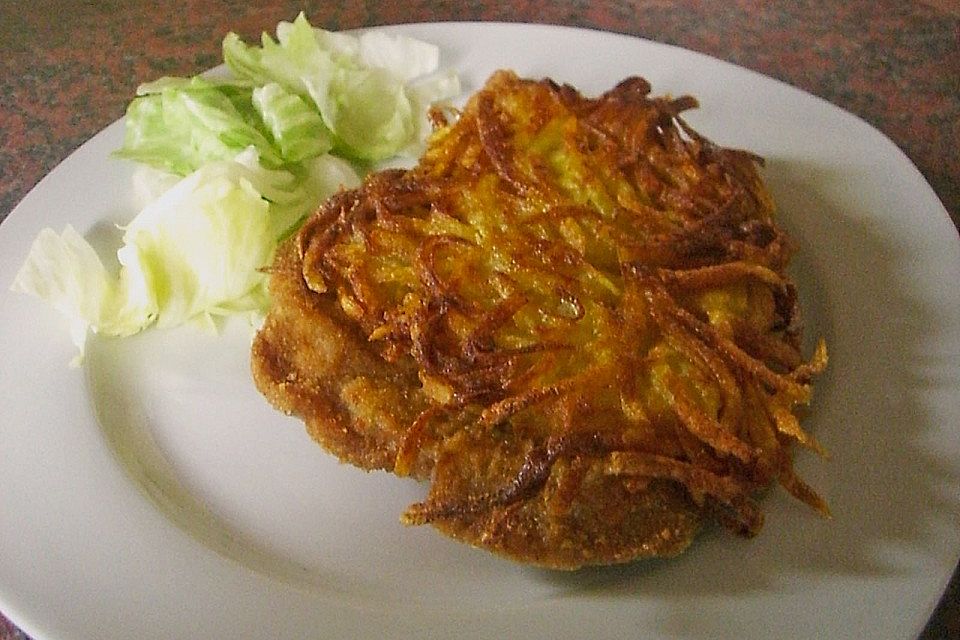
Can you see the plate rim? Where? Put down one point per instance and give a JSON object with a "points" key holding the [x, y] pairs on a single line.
{"points": [[9, 605]]}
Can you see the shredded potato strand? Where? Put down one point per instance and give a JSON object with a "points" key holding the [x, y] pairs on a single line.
{"points": [[555, 256]]}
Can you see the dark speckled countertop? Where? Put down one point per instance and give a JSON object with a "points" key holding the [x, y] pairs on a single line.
{"points": [[68, 69]]}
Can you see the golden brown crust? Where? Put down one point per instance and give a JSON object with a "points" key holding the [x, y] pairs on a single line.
{"points": [[572, 316]]}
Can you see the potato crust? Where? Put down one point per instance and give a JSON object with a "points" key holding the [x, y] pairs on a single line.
{"points": [[572, 317]]}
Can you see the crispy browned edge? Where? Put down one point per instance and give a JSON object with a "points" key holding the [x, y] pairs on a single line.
{"points": [[307, 351]]}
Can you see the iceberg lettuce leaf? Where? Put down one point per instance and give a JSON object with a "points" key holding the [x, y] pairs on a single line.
{"points": [[362, 87], [230, 166], [195, 252]]}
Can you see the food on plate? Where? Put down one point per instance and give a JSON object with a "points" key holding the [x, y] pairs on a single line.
{"points": [[232, 164], [572, 317]]}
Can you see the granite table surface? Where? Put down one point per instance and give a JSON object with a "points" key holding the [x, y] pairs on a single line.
{"points": [[68, 69]]}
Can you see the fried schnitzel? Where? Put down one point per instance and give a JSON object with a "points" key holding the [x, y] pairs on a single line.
{"points": [[572, 317]]}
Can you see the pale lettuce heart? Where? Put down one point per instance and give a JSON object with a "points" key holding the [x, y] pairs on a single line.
{"points": [[65, 271], [404, 58], [195, 252], [201, 244]]}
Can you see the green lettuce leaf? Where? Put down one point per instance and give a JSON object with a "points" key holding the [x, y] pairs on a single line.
{"points": [[179, 124], [296, 126], [364, 88]]}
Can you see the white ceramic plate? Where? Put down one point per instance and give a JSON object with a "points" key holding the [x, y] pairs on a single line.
{"points": [[154, 494]]}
